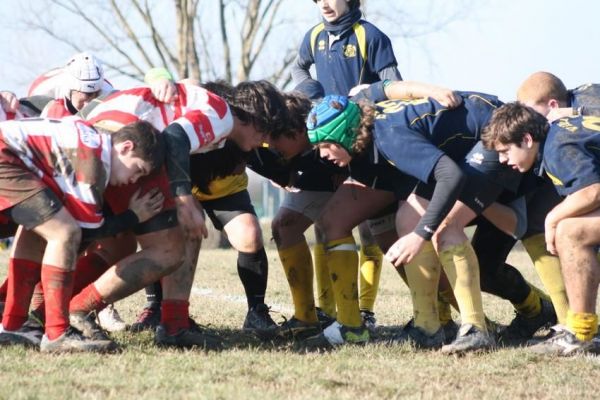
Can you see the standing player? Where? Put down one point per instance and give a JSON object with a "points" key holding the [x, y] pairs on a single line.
{"points": [[346, 51]]}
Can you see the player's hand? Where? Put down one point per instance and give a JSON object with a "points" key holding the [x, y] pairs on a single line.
{"points": [[190, 217], [446, 97], [148, 205], [405, 249], [9, 101], [550, 233], [164, 90]]}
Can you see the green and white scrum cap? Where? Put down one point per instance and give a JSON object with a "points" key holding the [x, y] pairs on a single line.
{"points": [[335, 119]]}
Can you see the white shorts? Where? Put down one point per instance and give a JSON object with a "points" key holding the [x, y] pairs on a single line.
{"points": [[306, 202], [383, 224]]}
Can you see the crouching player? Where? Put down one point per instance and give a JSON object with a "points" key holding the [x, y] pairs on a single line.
{"points": [[566, 152], [45, 165], [424, 140]]}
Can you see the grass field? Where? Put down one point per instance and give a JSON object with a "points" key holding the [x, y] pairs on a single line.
{"points": [[250, 369]]}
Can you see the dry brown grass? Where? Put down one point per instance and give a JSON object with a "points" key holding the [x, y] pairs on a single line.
{"points": [[250, 369]]}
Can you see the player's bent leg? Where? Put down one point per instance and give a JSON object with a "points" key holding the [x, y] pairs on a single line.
{"points": [[549, 270], [462, 269], [245, 235], [288, 228], [351, 204], [370, 260]]}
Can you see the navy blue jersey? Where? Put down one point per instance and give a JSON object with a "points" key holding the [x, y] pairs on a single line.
{"points": [[373, 170], [571, 153], [413, 135], [341, 65], [585, 95]]}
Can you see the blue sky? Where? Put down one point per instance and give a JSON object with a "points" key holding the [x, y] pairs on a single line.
{"points": [[492, 49]]}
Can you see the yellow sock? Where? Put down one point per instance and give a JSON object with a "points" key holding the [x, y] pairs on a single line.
{"points": [[531, 306], [444, 310], [583, 325], [423, 275], [297, 264], [462, 269], [342, 260], [325, 297], [548, 269], [370, 272]]}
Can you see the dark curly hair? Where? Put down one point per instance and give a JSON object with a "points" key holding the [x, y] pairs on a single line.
{"points": [[364, 132], [260, 104]]}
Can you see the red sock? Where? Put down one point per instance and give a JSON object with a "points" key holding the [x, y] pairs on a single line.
{"points": [[37, 301], [175, 315], [22, 277], [4, 290], [58, 287], [87, 300], [89, 268]]}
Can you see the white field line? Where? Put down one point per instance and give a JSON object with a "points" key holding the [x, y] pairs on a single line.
{"points": [[216, 295]]}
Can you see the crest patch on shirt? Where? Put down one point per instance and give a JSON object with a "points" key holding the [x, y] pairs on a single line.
{"points": [[350, 51], [321, 45]]}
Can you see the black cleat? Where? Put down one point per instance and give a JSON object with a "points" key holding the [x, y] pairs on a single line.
{"points": [[259, 322], [149, 319], [521, 328]]}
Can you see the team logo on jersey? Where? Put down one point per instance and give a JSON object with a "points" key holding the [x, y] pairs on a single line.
{"points": [[350, 51], [90, 138], [477, 158], [321, 45]]}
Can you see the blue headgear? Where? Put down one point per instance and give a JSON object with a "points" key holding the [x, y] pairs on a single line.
{"points": [[335, 119]]}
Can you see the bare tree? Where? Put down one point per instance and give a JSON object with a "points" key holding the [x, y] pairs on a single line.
{"points": [[135, 35], [230, 39]]}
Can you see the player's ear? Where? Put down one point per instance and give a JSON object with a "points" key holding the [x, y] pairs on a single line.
{"points": [[553, 103], [125, 147], [527, 140]]}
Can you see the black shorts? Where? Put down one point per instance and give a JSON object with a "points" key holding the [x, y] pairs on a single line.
{"points": [[222, 210], [166, 219], [35, 210], [539, 203]]}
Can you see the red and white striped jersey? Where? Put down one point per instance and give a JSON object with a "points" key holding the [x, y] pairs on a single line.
{"points": [[57, 109], [204, 116], [69, 156], [52, 84]]}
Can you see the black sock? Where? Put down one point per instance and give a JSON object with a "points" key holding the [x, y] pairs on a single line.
{"points": [[153, 295], [253, 269]]}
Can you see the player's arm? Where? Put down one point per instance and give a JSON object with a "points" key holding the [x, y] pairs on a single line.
{"points": [[141, 209], [450, 180], [178, 148], [578, 203], [161, 84], [9, 101], [408, 90]]}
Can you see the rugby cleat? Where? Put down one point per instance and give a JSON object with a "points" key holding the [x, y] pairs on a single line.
{"points": [[259, 322], [73, 341], [522, 328], [417, 337], [563, 343], [87, 325], [110, 320], [336, 335], [27, 335], [192, 337], [148, 319], [293, 328], [369, 320], [469, 339]]}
